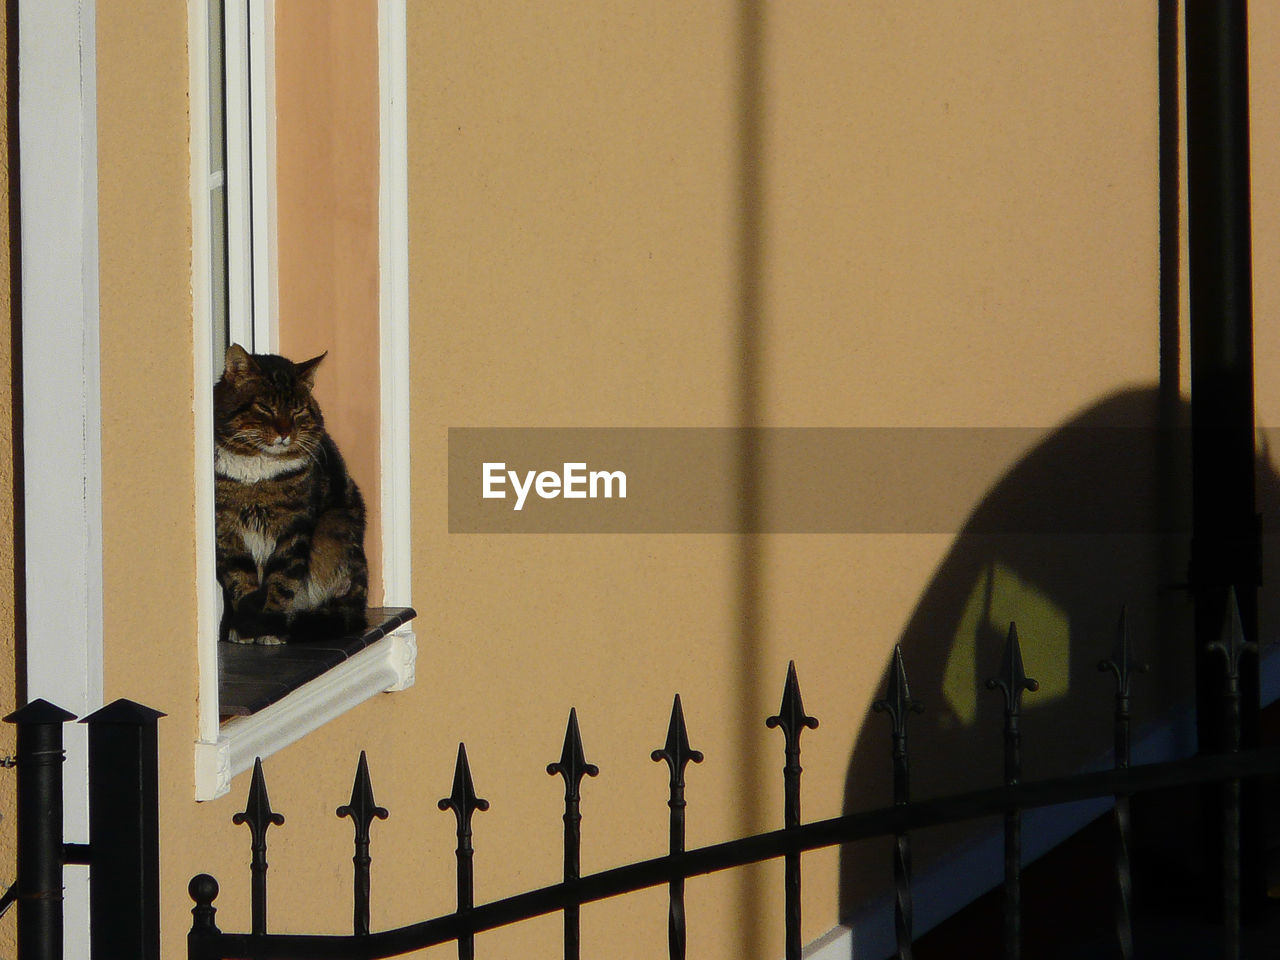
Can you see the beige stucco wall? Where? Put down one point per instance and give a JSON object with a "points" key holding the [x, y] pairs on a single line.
{"points": [[144, 212], [906, 215], [10, 568]]}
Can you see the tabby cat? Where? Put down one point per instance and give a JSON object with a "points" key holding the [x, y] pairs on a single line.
{"points": [[290, 520]]}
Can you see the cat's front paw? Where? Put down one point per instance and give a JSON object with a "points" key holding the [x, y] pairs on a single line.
{"points": [[269, 640], [253, 626], [234, 637]]}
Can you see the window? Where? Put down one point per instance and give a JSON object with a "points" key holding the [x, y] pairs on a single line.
{"points": [[268, 208]]}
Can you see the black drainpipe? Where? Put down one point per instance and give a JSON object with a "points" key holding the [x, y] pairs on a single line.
{"points": [[1225, 545]]}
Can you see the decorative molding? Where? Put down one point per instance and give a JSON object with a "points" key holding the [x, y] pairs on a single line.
{"points": [[406, 652], [383, 667]]}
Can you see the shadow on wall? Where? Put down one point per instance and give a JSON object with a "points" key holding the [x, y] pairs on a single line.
{"points": [[1089, 521]]}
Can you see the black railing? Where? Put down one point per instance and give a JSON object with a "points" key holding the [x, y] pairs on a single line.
{"points": [[1007, 801], [123, 852], [123, 843]]}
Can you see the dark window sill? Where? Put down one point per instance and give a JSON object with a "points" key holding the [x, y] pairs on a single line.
{"points": [[251, 676]]}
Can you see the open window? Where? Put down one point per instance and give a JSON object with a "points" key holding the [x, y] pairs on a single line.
{"points": [[300, 246]]}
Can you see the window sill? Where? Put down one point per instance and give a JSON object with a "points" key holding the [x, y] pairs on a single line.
{"points": [[309, 686]]}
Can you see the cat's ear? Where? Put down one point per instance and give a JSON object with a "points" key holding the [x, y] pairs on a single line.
{"points": [[306, 370], [238, 364]]}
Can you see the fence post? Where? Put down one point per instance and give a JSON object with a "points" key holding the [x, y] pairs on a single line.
{"points": [[362, 810], [573, 767], [1012, 682], [259, 816], [1123, 666], [677, 753], [792, 719], [1231, 647], [464, 802], [40, 839], [124, 832], [899, 704], [203, 890]]}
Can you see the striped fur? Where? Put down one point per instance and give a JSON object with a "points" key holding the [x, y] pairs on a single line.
{"points": [[290, 520]]}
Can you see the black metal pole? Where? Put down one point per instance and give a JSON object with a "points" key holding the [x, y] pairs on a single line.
{"points": [[1012, 681], [464, 802], [677, 753], [1231, 647], [259, 816], [124, 832], [792, 719], [1226, 546], [1123, 667], [899, 704], [362, 810], [573, 767], [40, 838]]}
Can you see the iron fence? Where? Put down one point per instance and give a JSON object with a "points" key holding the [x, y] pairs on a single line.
{"points": [[123, 852], [1008, 801], [123, 847]]}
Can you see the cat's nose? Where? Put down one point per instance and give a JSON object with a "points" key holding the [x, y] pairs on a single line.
{"points": [[284, 433]]}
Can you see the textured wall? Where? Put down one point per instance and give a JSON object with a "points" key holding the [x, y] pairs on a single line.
{"points": [[650, 215], [144, 214], [10, 576]]}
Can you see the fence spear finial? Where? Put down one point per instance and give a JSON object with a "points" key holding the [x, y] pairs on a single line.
{"points": [[1122, 664], [677, 751], [792, 719], [257, 812], [259, 816], [463, 800], [898, 702], [1013, 679], [791, 716], [573, 767], [572, 764], [1232, 643], [362, 810]]}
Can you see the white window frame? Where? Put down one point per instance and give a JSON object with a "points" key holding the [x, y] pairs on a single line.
{"points": [[253, 301], [224, 750]]}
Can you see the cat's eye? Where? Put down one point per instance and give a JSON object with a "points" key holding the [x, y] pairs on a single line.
{"points": [[263, 409]]}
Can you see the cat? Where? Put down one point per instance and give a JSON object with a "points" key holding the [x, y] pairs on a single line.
{"points": [[290, 520]]}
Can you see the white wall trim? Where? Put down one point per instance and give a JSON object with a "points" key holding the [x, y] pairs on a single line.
{"points": [[62, 443], [207, 593], [393, 300]]}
